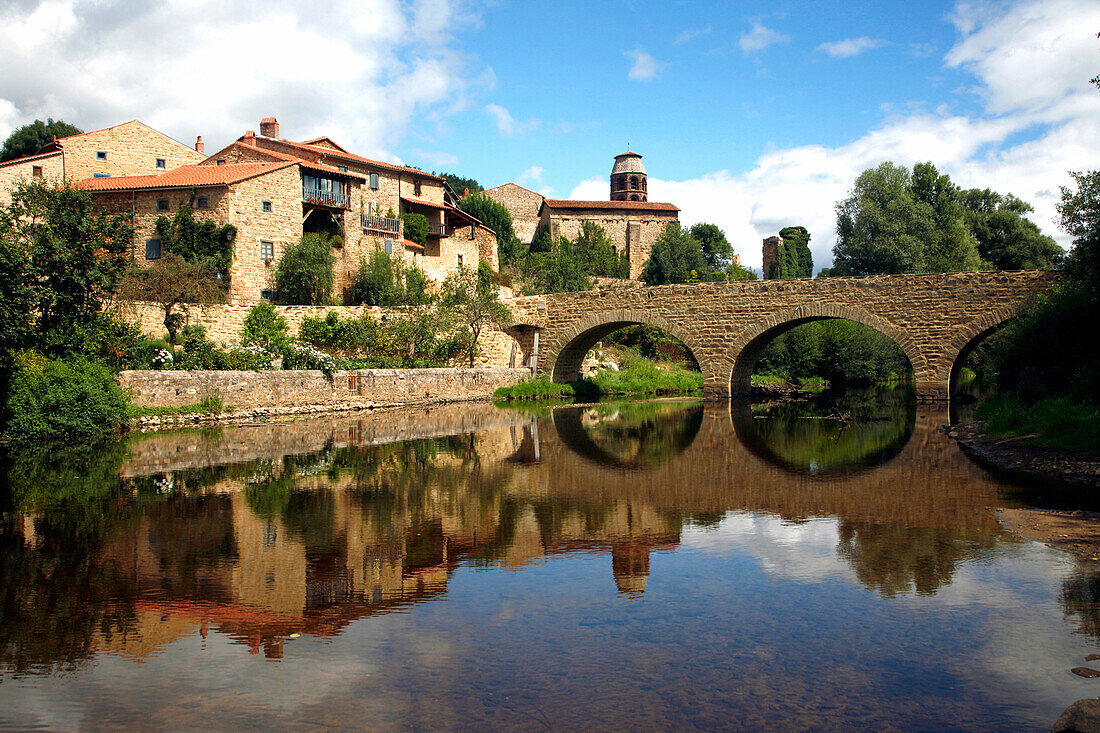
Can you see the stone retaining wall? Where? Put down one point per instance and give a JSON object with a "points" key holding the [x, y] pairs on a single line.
{"points": [[299, 388]]}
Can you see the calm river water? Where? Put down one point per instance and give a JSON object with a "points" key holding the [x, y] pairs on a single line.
{"points": [[633, 566]]}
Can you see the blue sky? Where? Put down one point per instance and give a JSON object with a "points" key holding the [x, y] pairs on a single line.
{"points": [[754, 116]]}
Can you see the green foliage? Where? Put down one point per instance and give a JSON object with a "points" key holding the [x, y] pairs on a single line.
{"points": [[716, 248], [1059, 422], [32, 137], [266, 329], [737, 273], [837, 350], [304, 275], [199, 242], [597, 253], [53, 399], [646, 377], [897, 221], [541, 241], [1006, 239], [342, 337], [561, 270], [460, 184], [170, 282], [673, 257], [494, 215], [652, 343], [416, 227], [413, 338], [540, 388], [794, 259], [473, 302], [385, 280], [199, 353]]}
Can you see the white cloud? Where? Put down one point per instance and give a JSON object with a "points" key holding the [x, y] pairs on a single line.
{"points": [[643, 66], [359, 70], [690, 35], [437, 157], [850, 46], [506, 124], [532, 175], [759, 38], [1024, 143]]}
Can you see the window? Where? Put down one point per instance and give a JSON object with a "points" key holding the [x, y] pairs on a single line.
{"points": [[36, 171], [152, 249], [267, 250], [220, 161], [460, 259], [374, 181], [265, 205], [268, 295], [101, 155], [416, 188], [162, 204], [343, 168], [389, 247], [101, 175], [202, 203], [162, 163]]}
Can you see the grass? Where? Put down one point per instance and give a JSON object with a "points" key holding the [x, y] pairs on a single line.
{"points": [[644, 377], [540, 388], [210, 405], [1054, 421]]}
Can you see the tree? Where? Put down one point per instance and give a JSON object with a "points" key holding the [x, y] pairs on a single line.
{"points": [[200, 242], [716, 248], [31, 138], [496, 216], [266, 329], [460, 184], [895, 221], [416, 227], [541, 241], [597, 254], [473, 301], [385, 280], [171, 282], [561, 270], [795, 259], [71, 257], [1006, 239], [673, 257], [304, 275]]}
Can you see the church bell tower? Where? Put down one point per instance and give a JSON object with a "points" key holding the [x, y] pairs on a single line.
{"points": [[628, 179]]}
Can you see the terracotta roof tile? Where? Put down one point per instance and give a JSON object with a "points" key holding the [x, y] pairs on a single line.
{"points": [[186, 176], [322, 150], [609, 205], [311, 165], [409, 244]]}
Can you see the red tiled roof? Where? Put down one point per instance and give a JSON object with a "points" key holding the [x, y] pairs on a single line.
{"points": [[409, 244], [609, 205], [446, 208], [27, 158], [186, 176], [322, 150], [309, 164], [425, 202]]}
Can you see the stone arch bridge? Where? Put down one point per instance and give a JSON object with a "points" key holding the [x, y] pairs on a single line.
{"points": [[936, 319]]}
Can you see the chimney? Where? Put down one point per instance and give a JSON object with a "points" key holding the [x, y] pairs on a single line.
{"points": [[199, 147], [249, 137], [269, 127]]}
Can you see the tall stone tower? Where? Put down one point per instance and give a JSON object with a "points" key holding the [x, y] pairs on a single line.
{"points": [[628, 179]]}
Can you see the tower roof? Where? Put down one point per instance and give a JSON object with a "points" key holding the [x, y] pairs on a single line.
{"points": [[628, 162]]}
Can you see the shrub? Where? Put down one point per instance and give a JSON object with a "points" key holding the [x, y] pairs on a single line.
{"points": [[297, 356], [75, 400], [265, 328], [304, 275], [416, 227]]}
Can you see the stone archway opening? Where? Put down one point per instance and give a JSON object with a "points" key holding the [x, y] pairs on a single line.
{"points": [[836, 348], [575, 358]]}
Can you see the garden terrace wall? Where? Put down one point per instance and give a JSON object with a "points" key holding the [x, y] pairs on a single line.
{"points": [[300, 388]]}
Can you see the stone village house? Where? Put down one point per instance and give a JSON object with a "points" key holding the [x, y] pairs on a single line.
{"points": [[274, 191]]}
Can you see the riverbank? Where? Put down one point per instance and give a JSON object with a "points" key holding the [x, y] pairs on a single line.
{"points": [[1076, 532], [1016, 454]]}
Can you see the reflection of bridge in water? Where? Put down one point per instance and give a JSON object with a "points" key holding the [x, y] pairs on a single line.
{"points": [[306, 526]]}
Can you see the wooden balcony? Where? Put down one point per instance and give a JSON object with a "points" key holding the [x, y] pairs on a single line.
{"points": [[321, 197], [381, 224]]}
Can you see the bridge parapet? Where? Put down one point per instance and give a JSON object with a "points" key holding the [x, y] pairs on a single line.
{"points": [[935, 318]]}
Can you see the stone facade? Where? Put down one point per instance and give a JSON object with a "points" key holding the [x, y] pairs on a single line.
{"points": [[129, 149], [298, 388], [50, 166], [936, 319], [523, 204], [631, 226]]}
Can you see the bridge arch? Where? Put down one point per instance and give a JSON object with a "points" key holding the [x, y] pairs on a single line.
{"points": [[968, 337], [564, 356], [745, 350]]}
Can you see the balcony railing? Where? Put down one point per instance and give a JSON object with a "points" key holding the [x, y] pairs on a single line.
{"points": [[381, 224], [439, 230], [326, 198]]}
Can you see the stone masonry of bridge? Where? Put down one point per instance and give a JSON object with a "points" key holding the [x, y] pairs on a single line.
{"points": [[936, 319]]}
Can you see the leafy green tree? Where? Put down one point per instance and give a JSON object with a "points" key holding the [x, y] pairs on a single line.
{"points": [[794, 258], [736, 272], [895, 221], [1006, 238], [416, 227], [385, 280], [461, 184], [716, 248], [496, 216], [597, 253], [561, 270], [541, 241], [71, 256], [473, 302], [266, 329], [30, 138], [200, 242], [171, 282], [673, 257], [304, 275]]}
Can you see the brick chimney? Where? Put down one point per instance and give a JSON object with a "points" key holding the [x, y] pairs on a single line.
{"points": [[269, 127], [249, 137], [199, 147]]}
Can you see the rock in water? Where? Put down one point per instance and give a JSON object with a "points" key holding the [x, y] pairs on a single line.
{"points": [[1082, 716], [1085, 672]]}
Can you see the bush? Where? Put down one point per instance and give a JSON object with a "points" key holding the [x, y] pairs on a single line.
{"points": [[75, 400], [265, 328], [646, 377], [304, 275], [385, 280], [416, 227], [1054, 421], [296, 356]]}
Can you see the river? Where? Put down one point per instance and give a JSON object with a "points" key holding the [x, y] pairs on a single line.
{"points": [[663, 565]]}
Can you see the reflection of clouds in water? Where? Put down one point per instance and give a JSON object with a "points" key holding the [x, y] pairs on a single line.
{"points": [[804, 550]]}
